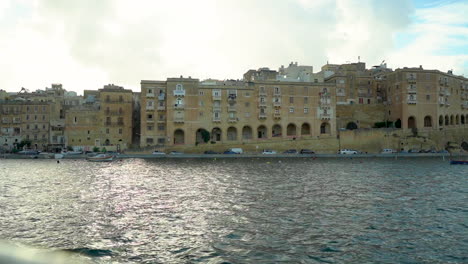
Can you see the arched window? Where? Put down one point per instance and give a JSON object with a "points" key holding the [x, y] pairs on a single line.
{"points": [[246, 133], [261, 132], [276, 131], [291, 130], [305, 129], [411, 122], [232, 134], [351, 126], [427, 121], [179, 137], [216, 134], [325, 128]]}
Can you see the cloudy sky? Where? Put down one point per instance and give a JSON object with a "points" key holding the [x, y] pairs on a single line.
{"points": [[88, 43]]}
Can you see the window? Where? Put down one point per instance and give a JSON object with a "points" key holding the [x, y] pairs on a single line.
{"points": [[107, 131], [262, 99], [201, 103], [120, 98], [149, 128], [27, 117], [179, 87], [150, 91], [43, 117], [150, 116], [232, 115], [201, 93], [277, 111], [247, 94], [200, 114], [247, 104], [35, 117], [262, 89], [361, 100], [35, 109], [216, 115], [88, 132], [291, 110], [161, 127], [306, 110], [161, 140], [75, 120], [120, 131], [150, 103], [247, 114], [277, 90], [43, 127], [149, 140], [368, 101], [43, 108], [291, 100], [428, 97], [306, 100]]}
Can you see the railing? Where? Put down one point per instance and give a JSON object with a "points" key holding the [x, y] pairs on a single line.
{"points": [[277, 116], [411, 101], [262, 92], [161, 108], [150, 107], [262, 115], [231, 108], [161, 97], [178, 119], [217, 108], [262, 104], [233, 119], [325, 116], [179, 106], [150, 95], [216, 119], [216, 96], [150, 120], [179, 92], [277, 104]]}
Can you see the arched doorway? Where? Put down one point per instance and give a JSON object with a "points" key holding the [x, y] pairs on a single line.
{"points": [[398, 123], [305, 129], [325, 128], [447, 122], [291, 130], [427, 121], [107, 142], [202, 136], [462, 119], [457, 120], [441, 120], [216, 134], [179, 137], [261, 132], [276, 131], [231, 134], [411, 122], [351, 126], [246, 133], [452, 120]]}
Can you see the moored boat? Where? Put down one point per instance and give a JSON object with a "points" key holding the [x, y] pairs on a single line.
{"points": [[459, 162], [101, 158]]}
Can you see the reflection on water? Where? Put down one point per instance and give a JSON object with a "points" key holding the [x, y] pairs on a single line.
{"points": [[239, 210]]}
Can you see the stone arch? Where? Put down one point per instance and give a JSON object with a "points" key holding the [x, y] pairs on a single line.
{"points": [[398, 123], [179, 137], [202, 136], [246, 133], [351, 126], [411, 122], [305, 129], [216, 134], [232, 134], [462, 119], [457, 120], [427, 121], [276, 130], [447, 122], [107, 142], [291, 130], [262, 132], [441, 120], [325, 128], [452, 120]]}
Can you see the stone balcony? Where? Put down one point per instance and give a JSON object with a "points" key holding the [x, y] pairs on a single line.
{"points": [[179, 92]]}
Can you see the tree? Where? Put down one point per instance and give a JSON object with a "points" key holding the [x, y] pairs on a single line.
{"points": [[25, 142], [205, 135], [95, 149]]}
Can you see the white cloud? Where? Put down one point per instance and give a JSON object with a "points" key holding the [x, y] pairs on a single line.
{"points": [[86, 44]]}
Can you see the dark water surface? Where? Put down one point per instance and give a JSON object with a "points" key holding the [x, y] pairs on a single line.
{"points": [[239, 210]]}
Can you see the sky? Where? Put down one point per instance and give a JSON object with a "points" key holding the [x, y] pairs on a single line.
{"points": [[86, 44]]}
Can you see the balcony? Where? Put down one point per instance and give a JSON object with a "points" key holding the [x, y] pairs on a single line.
{"points": [[262, 92], [277, 104], [150, 120], [464, 105], [150, 107], [262, 116], [233, 119], [179, 106], [216, 108], [411, 101], [216, 119], [411, 80], [178, 119], [411, 89], [179, 92], [5, 121], [161, 96], [262, 104], [217, 96], [441, 101], [325, 116], [150, 95], [114, 113], [277, 116], [364, 94], [232, 98], [162, 120], [232, 108], [113, 124], [324, 101], [16, 121]]}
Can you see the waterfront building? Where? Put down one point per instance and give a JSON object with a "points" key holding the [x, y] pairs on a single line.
{"points": [[24, 121], [235, 112]]}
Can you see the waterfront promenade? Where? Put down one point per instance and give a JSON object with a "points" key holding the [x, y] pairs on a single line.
{"points": [[241, 156]]}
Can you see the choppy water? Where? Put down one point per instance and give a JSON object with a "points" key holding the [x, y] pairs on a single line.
{"points": [[239, 211]]}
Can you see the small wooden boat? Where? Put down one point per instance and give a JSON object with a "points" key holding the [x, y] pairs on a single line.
{"points": [[459, 162], [101, 158]]}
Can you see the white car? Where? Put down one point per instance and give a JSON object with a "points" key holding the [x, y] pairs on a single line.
{"points": [[388, 151], [347, 151], [157, 152], [268, 152]]}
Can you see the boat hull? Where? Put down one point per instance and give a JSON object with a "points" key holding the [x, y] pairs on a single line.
{"points": [[459, 162], [101, 158]]}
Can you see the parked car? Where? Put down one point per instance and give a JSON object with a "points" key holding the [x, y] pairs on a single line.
{"points": [[157, 152], [236, 150], [175, 153], [414, 151], [388, 151], [268, 152], [229, 152], [347, 151], [210, 152], [28, 152], [290, 151], [307, 151]]}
